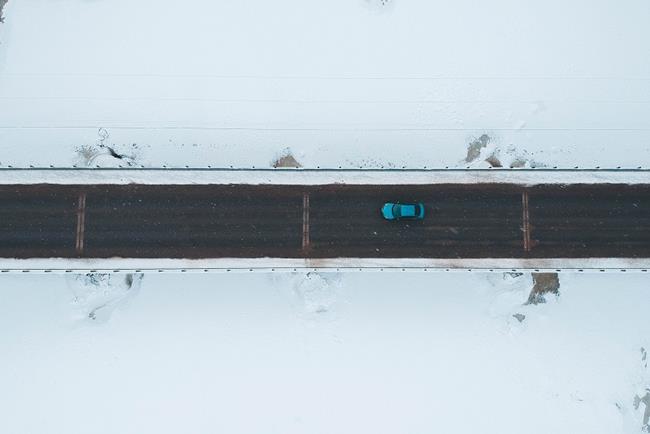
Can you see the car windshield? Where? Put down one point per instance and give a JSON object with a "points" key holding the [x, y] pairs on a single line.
{"points": [[397, 211]]}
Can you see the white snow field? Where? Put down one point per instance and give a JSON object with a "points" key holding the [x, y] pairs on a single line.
{"points": [[322, 353], [349, 83]]}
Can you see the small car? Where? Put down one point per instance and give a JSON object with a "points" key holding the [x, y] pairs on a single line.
{"points": [[402, 211]]}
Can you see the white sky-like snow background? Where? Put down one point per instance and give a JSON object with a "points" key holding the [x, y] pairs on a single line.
{"points": [[322, 353], [338, 83]]}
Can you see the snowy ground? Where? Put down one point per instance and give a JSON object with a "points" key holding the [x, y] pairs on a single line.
{"points": [[344, 353], [350, 83]]}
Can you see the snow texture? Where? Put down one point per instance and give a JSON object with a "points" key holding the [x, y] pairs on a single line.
{"points": [[97, 295], [361, 83], [343, 353]]}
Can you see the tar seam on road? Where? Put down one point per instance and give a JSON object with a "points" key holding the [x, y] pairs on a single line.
{"points": [[305, 222], [81, 223], [526, 220]]}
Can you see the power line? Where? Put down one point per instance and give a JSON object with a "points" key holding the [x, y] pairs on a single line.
{"points": [[307, 129], [315, 77], [310, 101]]}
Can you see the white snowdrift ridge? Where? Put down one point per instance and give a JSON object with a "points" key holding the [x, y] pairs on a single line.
{"points": [[321, 177]]}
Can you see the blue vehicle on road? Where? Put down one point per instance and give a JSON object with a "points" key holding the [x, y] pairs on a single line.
{"points": [[402, 211]]}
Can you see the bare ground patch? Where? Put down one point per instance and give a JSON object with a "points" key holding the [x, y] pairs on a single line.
{"points": [[286, 159], [475, 146], [544, 284], [483, 149]]}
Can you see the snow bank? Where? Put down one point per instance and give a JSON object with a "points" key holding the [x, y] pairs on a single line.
{"points": [[284, 176]]}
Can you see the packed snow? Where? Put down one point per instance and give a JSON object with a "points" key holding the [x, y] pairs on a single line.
{"points": [[178, 176]]}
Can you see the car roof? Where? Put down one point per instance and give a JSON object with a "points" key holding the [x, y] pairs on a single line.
{"points": [[408, 210]]}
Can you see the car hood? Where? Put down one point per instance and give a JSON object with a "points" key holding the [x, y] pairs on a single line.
{"points": [[387, 211]]}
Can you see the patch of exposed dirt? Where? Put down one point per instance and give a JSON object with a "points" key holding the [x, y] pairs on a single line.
{"points": [[475, 147], [484, 150], [493, 161], [286, 160], [543, 284], [511, 158]]}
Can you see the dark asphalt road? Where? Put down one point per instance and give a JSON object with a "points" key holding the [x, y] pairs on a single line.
{"points": [[462, 221]]}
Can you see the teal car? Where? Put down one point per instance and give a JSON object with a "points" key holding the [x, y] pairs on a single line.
{"points": [[402, 211]]}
